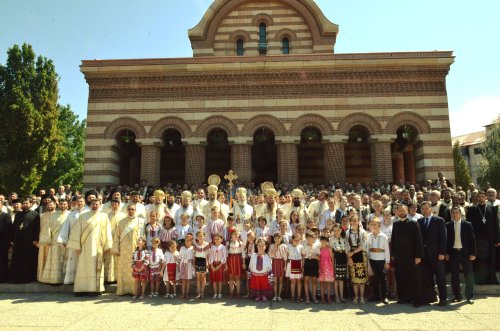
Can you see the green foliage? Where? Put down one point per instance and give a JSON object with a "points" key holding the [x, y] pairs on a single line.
{"points": [[68, 168], [28, 111], [490, 168], [462, 175]]}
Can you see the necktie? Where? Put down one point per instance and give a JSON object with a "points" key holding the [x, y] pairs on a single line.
{"points": [[426, 222]]}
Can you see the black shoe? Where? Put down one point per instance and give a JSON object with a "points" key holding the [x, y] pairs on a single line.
{"points": [[416, 304], [442, 303], [385, 301], [470, 301], [456, 299]]}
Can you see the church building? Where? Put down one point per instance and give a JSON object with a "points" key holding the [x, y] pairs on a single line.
{"points": [[266, 95]]}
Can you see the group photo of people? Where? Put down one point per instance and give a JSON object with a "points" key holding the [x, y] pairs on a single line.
{"points": [[335, 243]]}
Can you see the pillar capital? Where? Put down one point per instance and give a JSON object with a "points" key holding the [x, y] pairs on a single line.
{"points": [[288, 140], [149, 142], [240, 140], [383, 138], [194, 141], [335, 139]]}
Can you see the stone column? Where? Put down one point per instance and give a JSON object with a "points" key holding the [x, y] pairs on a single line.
{"points": [[288, 163], [195, 160], [150, 159], [241, 158], [335, 158], [382, 157]]}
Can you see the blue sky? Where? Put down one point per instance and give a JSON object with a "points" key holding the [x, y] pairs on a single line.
{"points": [[70, 31]]}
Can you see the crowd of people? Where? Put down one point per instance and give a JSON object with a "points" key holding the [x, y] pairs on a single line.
{"points": [[311, 243]]}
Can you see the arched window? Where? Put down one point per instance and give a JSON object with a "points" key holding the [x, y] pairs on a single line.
{"points": [[285, 46], [239, 47], [262, 39]]}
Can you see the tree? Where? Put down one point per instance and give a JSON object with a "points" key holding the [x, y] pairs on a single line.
{"points": [[462, 175], [68, 168], [490, 167], [29, 140]]}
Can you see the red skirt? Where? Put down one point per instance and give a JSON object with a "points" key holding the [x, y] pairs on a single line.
{"points": [[171, 271], [260, 285], [234, 265], [278, 268], [217, 276]]}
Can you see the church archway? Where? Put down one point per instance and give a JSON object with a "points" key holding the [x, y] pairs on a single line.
{"points": [[310, 156], [217, 153], [264, 156], [173, 158], [129, 153], [358, 164], [404, 150]]}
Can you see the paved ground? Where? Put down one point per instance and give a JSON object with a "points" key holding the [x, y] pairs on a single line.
{"points": [[63, 311]]}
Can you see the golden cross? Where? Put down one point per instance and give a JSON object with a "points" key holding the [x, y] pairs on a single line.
{"points": [[230, 177]]}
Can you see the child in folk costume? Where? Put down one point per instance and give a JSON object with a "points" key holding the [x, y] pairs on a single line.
{"points": [[170, 269], [262, 231], [294, 221], [379, 257], [285, 233], [247, 227], [301, 231], [167, 232], [250, 248], [294, 267], [337, 243], [326, 276], [201, 253], [357, 259], [182, 230], [217, 262], [140, 261], [278, 254], [216, 226], [153, 228], [186, 265], [260, 267], [229, 230], [199, 225], [328, 230], [235, 265], [156, 261], [310, 252]]}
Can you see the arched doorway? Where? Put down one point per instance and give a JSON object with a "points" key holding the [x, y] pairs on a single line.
{"points": [[129, 157], [264, 156], [403, 154], [217, 153], [173, 158], [358, 160], [310, 157]]}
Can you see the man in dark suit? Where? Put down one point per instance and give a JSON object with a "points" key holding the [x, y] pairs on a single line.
{"points": [[485, 223], [5, 239], [433, 232], [461, 250]]}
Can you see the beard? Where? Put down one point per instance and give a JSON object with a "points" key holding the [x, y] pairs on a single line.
{"points": [[296, 203], [270, 206], [170, 204]]}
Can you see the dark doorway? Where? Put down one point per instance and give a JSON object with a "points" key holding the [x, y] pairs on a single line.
{"points": [[358, 160], [130, 158], [173, 158], [264, 156], [217, 153], [311, 160]]}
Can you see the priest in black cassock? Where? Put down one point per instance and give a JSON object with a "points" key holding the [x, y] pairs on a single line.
{"points": [[407, 250], [486, 229], [26, 231], [5, 238]]}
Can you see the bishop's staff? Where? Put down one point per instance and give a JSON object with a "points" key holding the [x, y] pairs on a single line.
{"points": [[230, 177]]}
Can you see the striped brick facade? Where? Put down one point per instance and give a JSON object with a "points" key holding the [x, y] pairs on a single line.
{"points": [[311, 87]]}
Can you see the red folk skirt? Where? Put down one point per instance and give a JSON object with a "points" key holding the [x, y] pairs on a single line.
{"points": [[171, 271], [278, 268], [260, 285], [234, 265], [139, 271], [217, 276]]}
